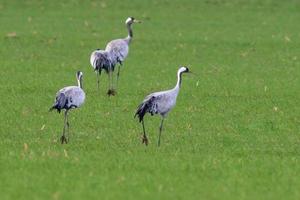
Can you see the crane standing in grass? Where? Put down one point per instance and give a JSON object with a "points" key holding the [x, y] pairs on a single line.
{"points": [[115, 52], [160, 103], [68, 98]]}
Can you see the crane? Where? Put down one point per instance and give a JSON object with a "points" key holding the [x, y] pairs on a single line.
{"points": [[160, 103], [115, 53], [69, 98]]}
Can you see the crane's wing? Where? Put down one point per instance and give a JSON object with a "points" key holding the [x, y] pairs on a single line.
{"points": [[60, 102], [150, 105], [100, 60], [118, 50]]}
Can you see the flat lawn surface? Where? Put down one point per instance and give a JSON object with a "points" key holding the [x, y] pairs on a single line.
{"points": [[234, 133]]}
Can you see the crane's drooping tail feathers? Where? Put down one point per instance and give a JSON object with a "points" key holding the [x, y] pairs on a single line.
{"points": [[60, 102], [145, 107], [103, 62]]}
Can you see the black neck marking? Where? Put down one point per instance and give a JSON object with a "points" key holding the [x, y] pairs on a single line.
{"points": [[130, 33], [180, 78]]}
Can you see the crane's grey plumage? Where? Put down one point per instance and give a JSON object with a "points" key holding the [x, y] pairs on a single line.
{"points": [[160, 103], [101, 60], [68, 98], [115, 53]]}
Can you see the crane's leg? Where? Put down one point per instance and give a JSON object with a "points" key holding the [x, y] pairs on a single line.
{"points": [[144, 138], [63, 138], [68, 126], [98, 78], [109, 82], [111, 90], [160, 130], [118, 74], [108, 91]]}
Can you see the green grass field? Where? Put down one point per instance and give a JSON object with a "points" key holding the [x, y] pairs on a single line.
{"points": [[234, 133]]}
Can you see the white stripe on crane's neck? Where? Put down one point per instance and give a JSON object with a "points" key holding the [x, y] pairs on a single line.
{"points": [[130, 33], [179, 78], [79, 81]]}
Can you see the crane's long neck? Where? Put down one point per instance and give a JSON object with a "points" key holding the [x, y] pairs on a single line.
{"points": [[178, 84], [130, 33], [79, 81]]}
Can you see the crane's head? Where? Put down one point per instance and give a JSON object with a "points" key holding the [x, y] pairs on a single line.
{"points": [[79, 75], [184, 69], [131, 20]]}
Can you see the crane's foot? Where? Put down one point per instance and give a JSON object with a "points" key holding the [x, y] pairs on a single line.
{"points": [[144, 140], [63, 139], [111, 92]]}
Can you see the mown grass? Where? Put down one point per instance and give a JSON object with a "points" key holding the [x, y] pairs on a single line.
{"points": [[234, 133]]}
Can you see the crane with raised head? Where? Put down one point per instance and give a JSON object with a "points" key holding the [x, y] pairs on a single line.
{"points": [[115, 53], [160, 103], [68, 98]]}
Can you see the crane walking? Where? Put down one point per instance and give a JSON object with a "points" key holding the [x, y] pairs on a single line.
{"points": [[115, 53], [68, 98], [159, 103]]}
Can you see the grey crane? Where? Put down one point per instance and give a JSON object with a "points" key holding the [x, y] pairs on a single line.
{"points": [[68, 98], [115, 52], [159, 103]]}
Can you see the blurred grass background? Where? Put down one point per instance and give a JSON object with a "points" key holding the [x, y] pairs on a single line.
{"points": [[234, 133]]}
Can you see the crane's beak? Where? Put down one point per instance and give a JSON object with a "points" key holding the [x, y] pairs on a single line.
{"points": [[188, 70], [191, 73], [137, 21]]}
